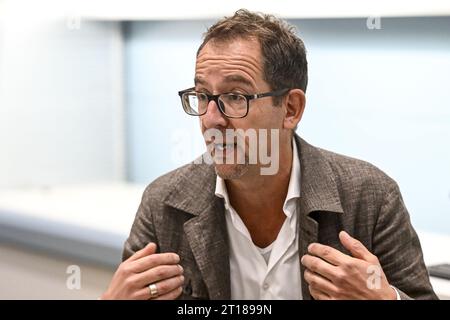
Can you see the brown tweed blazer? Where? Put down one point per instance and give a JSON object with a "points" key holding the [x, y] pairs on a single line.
{"points": [[180, 213]]}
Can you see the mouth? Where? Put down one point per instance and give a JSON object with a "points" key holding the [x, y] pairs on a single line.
{"points": [[221, 147]]}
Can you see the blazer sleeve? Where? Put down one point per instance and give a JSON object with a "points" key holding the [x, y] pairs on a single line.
{"points": [[142, 231], [397, 246]]}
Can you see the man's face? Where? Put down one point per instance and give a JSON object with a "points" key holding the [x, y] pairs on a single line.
{"points": [[235, 66]]}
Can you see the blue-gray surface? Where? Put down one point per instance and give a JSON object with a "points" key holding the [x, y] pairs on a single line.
{"points": [[68, 240]]}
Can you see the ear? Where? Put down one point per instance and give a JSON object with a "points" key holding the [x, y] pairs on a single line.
{"points": [[295, 105]]}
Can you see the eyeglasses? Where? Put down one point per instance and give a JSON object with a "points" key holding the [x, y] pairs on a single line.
{"points": [[231, 105]]}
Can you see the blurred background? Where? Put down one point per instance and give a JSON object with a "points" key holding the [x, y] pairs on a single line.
{"points": [[89, 115]]}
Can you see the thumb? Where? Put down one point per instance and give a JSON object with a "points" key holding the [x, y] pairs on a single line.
{"points": [[146, 251], [150, 248], [356, 248]]}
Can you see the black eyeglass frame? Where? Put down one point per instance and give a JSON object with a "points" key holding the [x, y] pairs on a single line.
{"points": [[215, 98]]}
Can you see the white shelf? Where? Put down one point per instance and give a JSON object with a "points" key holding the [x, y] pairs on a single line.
{"points": [[85, 221], [435, 251], [93, 221]]}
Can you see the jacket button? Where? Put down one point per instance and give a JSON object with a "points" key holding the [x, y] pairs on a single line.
{"points": [[187, 289]]}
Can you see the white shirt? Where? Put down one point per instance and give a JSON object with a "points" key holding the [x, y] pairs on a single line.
{"points": [[272, 272]]}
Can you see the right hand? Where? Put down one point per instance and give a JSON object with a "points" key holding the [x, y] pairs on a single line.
{"points": [[143, 268]]}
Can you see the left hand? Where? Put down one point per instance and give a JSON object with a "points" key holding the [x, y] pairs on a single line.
{"points": [[333, 275]]}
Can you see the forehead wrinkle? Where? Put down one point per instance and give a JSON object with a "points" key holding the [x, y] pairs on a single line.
{"points": [[228, 69], [239, 59], [229, 73], [226, 66]]}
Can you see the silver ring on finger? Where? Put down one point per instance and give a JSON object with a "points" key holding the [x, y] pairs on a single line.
{"points": [[153, 290]]}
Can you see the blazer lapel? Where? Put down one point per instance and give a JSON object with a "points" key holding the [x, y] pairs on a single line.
{"points": [[206, 230], [308, 234], [207, 238], [318, 192]]}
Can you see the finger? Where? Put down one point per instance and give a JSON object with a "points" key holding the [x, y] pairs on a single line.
{"points": [[320, 283], [157, 259], [172, 295], [318, 295], [147, 250], [356, 248], [328, 253], [319, 266], [158, 273], [168, 285]]}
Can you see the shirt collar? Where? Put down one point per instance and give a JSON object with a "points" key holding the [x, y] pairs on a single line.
{"points": [[221, 191], [293, 188]]}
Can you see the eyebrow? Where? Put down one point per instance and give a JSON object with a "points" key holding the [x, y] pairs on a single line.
{"points": [[230, 78], [237, 78], [199, 81]]}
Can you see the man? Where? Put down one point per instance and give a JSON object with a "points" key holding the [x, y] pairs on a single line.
{"points": [[321, 226]]}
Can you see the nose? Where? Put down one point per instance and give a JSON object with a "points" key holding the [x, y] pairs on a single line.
{"points": [[213, 118]]}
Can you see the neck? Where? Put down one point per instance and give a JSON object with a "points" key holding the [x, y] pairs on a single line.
{"points": [[259, 199], [254, 191]]}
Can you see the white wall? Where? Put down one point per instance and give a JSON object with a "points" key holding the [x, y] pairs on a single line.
{"points": [[159, 61], [60, 103]]}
